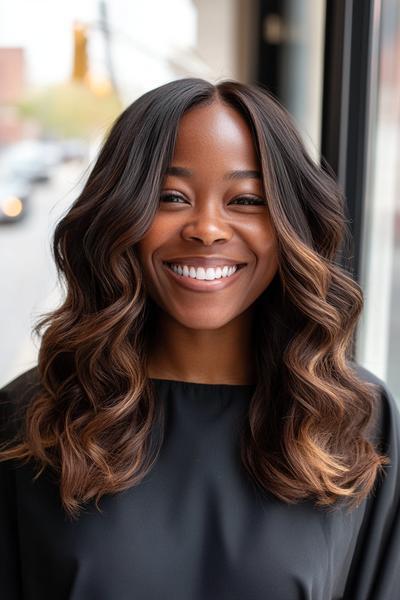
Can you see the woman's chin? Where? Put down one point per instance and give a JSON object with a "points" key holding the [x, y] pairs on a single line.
{"points": [[201, 319]]}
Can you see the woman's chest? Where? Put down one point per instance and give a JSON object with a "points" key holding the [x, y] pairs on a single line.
{"points": [[191, 530]]}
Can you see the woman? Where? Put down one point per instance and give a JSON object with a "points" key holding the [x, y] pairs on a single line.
{"points": [[196, 427]]}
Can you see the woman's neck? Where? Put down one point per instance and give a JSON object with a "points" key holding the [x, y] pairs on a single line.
{"points": [[224, 355]]}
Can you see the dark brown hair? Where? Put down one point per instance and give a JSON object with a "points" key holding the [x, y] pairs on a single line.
{"points": [[94, 419]]}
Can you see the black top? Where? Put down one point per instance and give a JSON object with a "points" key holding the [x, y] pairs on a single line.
{"points": [[196, 528]]}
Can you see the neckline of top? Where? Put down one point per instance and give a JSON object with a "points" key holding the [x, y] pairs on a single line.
{"points": [[202, 385]]}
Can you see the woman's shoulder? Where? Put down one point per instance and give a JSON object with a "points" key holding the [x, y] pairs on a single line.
{"points": [[387, 419], [15, 396], [20, 381]]}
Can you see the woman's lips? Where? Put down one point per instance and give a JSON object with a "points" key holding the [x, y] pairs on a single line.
{"points": [[203, 285]]}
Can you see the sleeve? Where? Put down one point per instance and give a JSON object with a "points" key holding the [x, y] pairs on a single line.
{"points": [[375, 567], [10, 581]]}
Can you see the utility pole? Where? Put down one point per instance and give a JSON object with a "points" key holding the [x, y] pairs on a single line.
{"points": [[104, 26]]}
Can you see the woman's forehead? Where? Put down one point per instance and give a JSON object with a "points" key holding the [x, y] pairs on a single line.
{"points": [[214, 131]]}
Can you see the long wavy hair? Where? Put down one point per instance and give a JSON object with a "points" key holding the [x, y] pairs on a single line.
{"points": [[95, 421]]}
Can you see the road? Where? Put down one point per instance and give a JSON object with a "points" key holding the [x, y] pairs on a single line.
{"points": [[27, 271]]}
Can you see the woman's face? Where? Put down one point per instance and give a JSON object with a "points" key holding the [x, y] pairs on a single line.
{"points": [[212, 215]]}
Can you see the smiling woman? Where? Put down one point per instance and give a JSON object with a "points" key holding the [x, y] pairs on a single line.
{"points": [[198, 378]]}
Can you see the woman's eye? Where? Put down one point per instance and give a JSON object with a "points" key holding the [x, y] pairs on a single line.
{"points": [[246, 200], [171, 198]]}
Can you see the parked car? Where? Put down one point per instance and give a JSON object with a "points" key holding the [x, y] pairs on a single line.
{"points": [[14, 198], [74, 149], [31, 160]]}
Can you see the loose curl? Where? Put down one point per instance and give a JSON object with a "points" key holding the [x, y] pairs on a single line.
{"points": [[95, 421]]}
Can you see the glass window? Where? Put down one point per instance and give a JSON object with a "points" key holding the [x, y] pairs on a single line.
{"points": [[378, 343]]}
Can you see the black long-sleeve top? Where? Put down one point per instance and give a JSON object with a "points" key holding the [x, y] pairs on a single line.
{"points": [[196, 528]]}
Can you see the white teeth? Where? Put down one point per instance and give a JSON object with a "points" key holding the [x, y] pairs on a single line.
{"points": [[200, 273]]}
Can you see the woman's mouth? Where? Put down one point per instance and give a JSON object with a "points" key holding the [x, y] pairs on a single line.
{"points": [[204, 278]]}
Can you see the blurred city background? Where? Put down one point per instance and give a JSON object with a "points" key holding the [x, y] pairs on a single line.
{"points": [[67, 69]]}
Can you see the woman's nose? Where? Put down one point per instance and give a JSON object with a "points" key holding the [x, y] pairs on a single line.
{"points": [[207, 226]]}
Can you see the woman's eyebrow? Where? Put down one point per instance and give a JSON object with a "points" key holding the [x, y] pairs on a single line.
{"points": [[237, 174]]}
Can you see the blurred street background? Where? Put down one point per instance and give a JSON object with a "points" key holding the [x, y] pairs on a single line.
{"points": [[67, 69]]}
